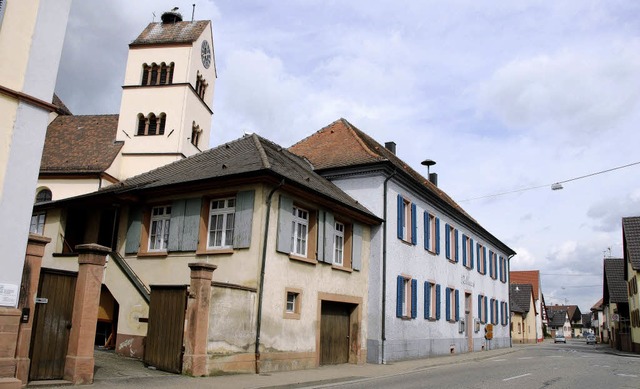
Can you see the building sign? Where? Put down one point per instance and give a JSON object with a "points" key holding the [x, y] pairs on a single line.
{"points": [[615, 317], [8, 295], [467, 281]]}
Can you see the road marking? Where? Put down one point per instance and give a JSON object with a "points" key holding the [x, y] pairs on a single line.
{"points": [[498, 360], [518, 376], [555, 356], [627, 375], [525, 358]]}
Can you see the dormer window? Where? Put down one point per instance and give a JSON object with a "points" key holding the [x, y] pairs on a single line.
{"points": [[151, 125], [201, 86], [155, 74], [195, 134]]}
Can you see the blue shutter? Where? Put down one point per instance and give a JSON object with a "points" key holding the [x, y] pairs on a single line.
{"points": [[414, 225], [438, 235], [485, 308], [400, 216], [471, 253], [134, 226], [427, 231], [497, 313], [464, 250], [457, 257], [356, 253], [285, 218], [399, 296], [414, 298], [243, 219], [480, 307], [478, 257], [457, 305], [447, 297], [508, 315], [427, 299], [500, 267], [447, 241], [491, 305], [484, 260], [437, 302], [490, 263]]}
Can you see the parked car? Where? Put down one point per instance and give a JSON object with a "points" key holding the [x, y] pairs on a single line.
{"points": [[559, 338], [591, 339]]}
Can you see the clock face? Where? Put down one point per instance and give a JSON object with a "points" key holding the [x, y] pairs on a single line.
{"points": [[205, 54]]}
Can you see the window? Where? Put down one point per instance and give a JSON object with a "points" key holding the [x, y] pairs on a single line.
{"points": [[493, 265], [452, 304], [482, 308], [151, 125], [43, 195], [431, 301], [467, 252], [494, 311], [299, 231], [155, 74], [451, 243], [482, 258], [201, 86], [293, 299], [195, 134], [221, 223], [37, 223], [431, 233], [338, 245], [406, 220], [159, 231], [406, 298]]}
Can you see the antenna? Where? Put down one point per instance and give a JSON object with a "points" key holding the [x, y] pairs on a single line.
{"points": [[193, 12], [428, 163], [154, 17]]}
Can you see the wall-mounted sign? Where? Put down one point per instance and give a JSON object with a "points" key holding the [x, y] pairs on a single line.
{"points": [[467, 281], [8, 295], [41, 300]]}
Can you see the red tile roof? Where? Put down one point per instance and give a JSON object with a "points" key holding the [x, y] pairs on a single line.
{"points": [[80, 144], [171, 33], [531, 277]]}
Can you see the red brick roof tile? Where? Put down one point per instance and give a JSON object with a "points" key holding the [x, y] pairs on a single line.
{"points": [[531, 277], [171, 33]]}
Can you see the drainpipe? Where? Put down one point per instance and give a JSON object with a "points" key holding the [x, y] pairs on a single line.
{"points": [[264, 261], [384, 268], [509, 283]]}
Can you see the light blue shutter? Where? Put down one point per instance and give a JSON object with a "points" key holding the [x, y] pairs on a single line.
{"points": [[464, 250], [427, 299], [437, 302], [490, 263], [321, 235], [457, 257], [508, 315], [356, 253], [447, 241], [480, 307], [491, 305], [176, 225], [400, 217], [485, 308], [329, 237], [427, 231], [134, 225], [243, 219], [479, 257], [414, 298], [285, 218], [497, 314], [447, 300], [457, 305], [414, 225], [438, 236], [191, 230], [399, 296], [484, 260], [471, 253]]}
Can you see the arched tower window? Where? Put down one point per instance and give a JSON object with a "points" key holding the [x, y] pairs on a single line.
{"points": [[163, 122], [155, 74], [201, 86], [195, 134], [43, 195], [142, 124], [145, 74], [153, 125]]}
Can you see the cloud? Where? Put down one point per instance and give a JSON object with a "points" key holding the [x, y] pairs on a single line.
{"points": [[608, 213]]}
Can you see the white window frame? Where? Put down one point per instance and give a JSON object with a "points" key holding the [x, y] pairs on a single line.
{"points": [[225, 209], [292, 298], [159, 228], [481, 260], [338, 244], [300, 232], [432, 233], [37, 223]]}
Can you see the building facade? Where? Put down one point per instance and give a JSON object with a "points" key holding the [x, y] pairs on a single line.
{"points": [[524, 316], [532, 277], [631, 251]]}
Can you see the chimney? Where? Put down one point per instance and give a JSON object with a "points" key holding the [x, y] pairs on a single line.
{"points": [[391, 146], [433, 177]]}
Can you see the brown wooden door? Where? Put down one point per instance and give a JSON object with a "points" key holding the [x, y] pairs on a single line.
{"points": [[334, 333], [163, 348], [52, 324]]}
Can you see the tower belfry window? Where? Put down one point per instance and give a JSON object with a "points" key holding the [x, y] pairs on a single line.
{"points": [[155, 74], [201, 86], [151, 125]]}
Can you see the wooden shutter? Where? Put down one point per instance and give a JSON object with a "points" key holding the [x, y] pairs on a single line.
{"points": [[285, 218], [185, 222], [134, 226], [438, 236], [356, 252], [414, 298], [243, 219], [437, 302], [447, 240], [414, 225], [399, 296], [400, 216], [447, 300], [329, 237], [427, 299], [457, 305]]}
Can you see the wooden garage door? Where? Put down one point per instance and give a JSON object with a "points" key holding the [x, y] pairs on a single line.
{"points": [[163, 347], [334, 333], [52, 324]]}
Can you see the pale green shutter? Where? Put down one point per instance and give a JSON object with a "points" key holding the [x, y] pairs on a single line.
{"points": [[243, 219]]}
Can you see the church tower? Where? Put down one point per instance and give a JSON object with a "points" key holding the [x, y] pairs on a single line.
{"points": [[166, 107]]}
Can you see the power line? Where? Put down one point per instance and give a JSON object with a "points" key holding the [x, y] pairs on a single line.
{"points": [[571, 275], [553, 183]]}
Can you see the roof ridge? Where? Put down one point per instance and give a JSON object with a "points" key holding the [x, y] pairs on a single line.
{"points": [[263, 154], [355, 130]]}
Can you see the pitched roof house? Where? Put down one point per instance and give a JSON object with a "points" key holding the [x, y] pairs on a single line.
{"points": [[532, 277], [523, 321], [290, 249], [615, 301], [430, 258], [631, 252], [575, 316]]}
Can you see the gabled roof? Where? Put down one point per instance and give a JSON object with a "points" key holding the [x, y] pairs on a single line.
{"points": [[171, 33], [341, 145], [531, 277], [614, 283], [631, 236], [557, 318], [520, 297], [80, 144], [597, 306], [62, 109], [586, 320], [572, 310], [248, 156]]}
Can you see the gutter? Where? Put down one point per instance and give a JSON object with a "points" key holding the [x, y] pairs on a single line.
{"points": [[509, 284], [262, 267], [383, 336]]}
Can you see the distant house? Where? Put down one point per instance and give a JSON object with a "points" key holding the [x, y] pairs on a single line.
{"points": [[615, 304], [575, 317], [532, 277], [524, 315], [559, 322], [597, 321], [586, 323], [438, 277], [631, 252]]}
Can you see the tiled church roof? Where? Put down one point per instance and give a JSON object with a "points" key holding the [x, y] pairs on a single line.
{"points": [[165, 33]]}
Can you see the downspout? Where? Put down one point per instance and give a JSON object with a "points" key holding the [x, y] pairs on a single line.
{"points": [[264, 261], [509, 283], [383, 336]]}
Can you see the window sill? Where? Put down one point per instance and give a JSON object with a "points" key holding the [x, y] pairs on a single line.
{"points": [[432, 252], [152, 254], [291, 315], [432, 319], [303, 259], [342, 268], [215, 251]]}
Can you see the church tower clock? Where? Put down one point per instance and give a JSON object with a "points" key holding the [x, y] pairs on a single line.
{"points": [[166, 107]]}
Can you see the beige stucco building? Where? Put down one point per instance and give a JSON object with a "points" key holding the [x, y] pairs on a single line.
{"points": [[523, 313]]}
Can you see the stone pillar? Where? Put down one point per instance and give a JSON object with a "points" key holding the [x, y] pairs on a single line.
{"points": [[28, 292], [196, 331], [78, 367], [9, 322]]}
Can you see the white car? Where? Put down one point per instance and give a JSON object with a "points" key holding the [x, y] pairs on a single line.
{"points": [[591, 339], [559, 338]]}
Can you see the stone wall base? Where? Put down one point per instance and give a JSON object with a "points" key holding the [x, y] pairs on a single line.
{"points": [[10, 383], [9, 324], [131, 346], [79, 370], [269, 362]]}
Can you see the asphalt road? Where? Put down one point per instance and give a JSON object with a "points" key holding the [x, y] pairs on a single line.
{"points": [[571, 365]]}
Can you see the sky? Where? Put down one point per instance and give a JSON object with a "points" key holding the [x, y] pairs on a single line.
{"points": [[504, 96]]}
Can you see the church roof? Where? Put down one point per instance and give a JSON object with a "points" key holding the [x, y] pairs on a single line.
{"points": [[80, 144], [171, 33]]}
